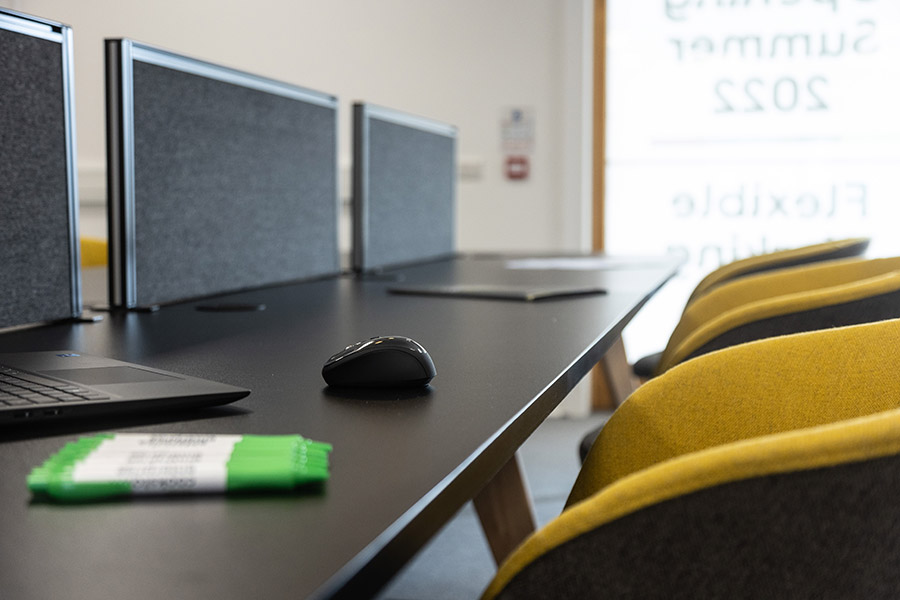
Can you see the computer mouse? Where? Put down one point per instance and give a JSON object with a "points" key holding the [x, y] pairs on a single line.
{"points": [[390, 361]]}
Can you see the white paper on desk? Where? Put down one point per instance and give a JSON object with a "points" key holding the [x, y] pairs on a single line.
{"points": [[579, 263]]}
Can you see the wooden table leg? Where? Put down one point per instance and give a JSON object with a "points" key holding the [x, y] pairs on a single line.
{"points": [[505, 509], [613, 379]]}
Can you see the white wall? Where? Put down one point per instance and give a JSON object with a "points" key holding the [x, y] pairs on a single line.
{"points": [[460, 61]]}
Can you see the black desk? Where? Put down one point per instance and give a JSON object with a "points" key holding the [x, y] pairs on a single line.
{"points": [[401, 466]]}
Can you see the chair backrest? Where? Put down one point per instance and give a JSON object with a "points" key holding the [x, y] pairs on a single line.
{"points": [[809, 514], [93, 252], [873, 299], [739, 474], [780, 259], [770, 284]]}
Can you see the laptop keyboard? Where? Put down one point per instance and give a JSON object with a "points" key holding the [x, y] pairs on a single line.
{"points": [[18, 388]]}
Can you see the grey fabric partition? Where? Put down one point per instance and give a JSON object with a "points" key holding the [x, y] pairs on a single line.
{"points": [[219, 180], [39, 272], [404, 188]]}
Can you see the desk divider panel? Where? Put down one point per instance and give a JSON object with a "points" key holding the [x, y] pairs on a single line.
{"points": [[39, 255], [219, 180], [404, 188]]}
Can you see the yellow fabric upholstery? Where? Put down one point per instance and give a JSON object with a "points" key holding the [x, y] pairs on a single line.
{"points": [[793, 256], [729, 416], [827, 445], [745, 391], [777, 306], [748, 268], [93, 252], [761, 286]]}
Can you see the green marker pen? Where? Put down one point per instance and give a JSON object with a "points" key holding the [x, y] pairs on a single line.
{"points": [[110, 465]]}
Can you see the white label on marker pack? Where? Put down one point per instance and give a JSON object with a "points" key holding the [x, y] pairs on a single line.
{"points": [[160, 463]]}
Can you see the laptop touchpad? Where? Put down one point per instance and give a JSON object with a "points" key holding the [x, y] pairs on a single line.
{"points": [[107, 375]]}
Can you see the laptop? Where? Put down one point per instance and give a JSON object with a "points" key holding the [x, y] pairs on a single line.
{"points": [[61, 384], [39, 257]]}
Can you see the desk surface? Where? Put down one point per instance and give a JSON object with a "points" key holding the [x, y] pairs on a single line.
{"points": [[402, 464]]}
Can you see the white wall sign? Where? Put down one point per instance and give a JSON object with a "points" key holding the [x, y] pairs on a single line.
{"points": [[517, 142]]}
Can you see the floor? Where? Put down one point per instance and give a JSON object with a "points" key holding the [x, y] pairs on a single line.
{"points": [[457, 563]]}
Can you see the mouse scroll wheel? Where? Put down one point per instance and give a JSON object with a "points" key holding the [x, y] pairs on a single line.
{"points": [[350, 349]]}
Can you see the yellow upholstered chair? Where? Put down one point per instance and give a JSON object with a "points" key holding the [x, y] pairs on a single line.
{"points": [[779, 303], [93, 252], [863, 301], [778, 260], [747, 268], [780, 282], [766, 470]]}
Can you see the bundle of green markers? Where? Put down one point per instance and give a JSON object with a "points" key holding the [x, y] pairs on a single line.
{"points": [[123, 464]]}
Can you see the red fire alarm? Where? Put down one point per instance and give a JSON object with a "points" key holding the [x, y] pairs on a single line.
{"points": [[517, 167]]}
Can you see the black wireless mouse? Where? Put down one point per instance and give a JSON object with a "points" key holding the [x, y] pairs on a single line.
{"points": [[390, 361]]}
